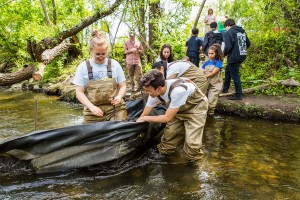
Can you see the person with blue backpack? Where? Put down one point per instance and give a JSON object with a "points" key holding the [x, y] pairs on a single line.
{"points": [[212, 70]]}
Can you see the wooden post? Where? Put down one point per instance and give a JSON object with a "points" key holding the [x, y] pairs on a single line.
{"points": [[35, 114]]}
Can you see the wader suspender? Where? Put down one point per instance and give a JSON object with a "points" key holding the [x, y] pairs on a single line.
{"points": [[161, 99], [173, 85], [109, 74], [90, 69]]}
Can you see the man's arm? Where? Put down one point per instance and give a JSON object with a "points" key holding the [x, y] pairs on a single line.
{"points": [[228, 43], [186, 46], [167, 117], [172, 76], [127, 51], [141, 49], [147, 110]]}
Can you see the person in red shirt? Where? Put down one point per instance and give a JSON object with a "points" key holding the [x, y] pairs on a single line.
{"points": [[133, 50]]}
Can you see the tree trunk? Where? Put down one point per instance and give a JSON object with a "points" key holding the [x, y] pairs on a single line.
{"points": [[45, 12], [16, 77], [199, 13], [36, 49], [54, 11], [49, 48], [154, 13]]}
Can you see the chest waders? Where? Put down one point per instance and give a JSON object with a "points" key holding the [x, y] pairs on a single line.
{"points": [[100, 93], [215, 85], [187, 125], [196, 75]]}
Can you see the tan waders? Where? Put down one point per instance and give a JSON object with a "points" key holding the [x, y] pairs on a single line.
{"points": [[196, 75], [215, 85], [100, 93], [187, 126]]}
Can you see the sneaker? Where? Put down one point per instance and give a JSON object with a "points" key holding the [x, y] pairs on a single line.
{"points": [[224, 91], [234, 97]]}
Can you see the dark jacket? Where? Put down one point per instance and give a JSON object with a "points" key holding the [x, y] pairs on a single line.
{"points": [[236, 44], [211, 38], [193, 45]]}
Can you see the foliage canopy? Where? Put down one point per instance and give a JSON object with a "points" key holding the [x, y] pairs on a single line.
{"points": [[272, 26]]}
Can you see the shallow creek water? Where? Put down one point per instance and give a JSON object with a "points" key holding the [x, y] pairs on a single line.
{"points": [[244, 159]]}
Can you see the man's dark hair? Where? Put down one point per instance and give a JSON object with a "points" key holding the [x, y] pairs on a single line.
{"points": [[195, 31], [157, 65], [229, 22], [153, 78], [213, 25]]}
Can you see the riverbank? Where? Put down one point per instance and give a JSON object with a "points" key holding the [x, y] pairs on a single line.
{"points": [[277, 108]]}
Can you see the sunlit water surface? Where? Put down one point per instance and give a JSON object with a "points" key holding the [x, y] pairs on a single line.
{"points": [[244, 159]]}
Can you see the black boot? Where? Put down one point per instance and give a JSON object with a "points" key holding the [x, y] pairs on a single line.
{"points": [[234, 97]]}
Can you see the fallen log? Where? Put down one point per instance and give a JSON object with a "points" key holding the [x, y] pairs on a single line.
{"points": [[287, 83], [7, 79]]}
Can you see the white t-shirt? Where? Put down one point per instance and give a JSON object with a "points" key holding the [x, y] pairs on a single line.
{"points": [[179, 95], [179, 67], [158, 59], [99, 72]]}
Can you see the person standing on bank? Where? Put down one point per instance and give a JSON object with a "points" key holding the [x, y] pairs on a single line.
{"points": [[193, 47], [221, 27], [209, 18], [185, 116], [212, 70], [100, 83], [236, 45], [165, 54], [212, 37], [133, 50]]}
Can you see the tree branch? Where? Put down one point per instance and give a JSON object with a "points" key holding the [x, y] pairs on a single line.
{"points": [[89, 21]]}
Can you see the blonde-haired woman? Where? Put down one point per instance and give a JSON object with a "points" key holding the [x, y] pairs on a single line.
{"points": [[209, 18], [100, 83]]}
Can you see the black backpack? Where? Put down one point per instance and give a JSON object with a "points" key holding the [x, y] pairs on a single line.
{"points": [[214, 38]]}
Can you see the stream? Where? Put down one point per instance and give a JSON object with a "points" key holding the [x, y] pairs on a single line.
{"points": [[244, 159]]}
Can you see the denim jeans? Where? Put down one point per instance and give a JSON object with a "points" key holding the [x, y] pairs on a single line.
{"points": [[232, 72], [195, 60]]}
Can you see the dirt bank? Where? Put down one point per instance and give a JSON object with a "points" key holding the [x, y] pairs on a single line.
{"points": [[278, 108]]}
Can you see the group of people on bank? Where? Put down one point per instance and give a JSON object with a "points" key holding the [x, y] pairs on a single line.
{"points": [[189, 92]]}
